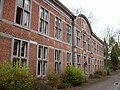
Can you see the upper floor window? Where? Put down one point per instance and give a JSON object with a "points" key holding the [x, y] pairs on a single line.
{"points": [[20, 52], [42, 60], [23, 12], [43, 21], [89, 46], [58, 28], [78, 37], [84, 42], [1, 2], [58, 59], [68, 58], [94, 47], [68, 32]]}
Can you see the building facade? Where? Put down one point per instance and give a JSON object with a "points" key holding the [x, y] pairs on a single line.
{"points": [[46, 36]]}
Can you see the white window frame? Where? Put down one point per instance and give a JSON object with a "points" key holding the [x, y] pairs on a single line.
{"points": [[58, 34], [68, 33], [58, 61], [42, 18], [43, 60], [68, 62], [25, 14], [18, 56]]}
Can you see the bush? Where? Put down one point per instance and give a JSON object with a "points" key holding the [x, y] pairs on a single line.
{"points": [[104, 72], [74, 76], [14, 78], [53, 79]]}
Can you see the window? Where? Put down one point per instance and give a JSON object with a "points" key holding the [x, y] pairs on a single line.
{"points": [[23, 12], [78, 60], [68, 31], [68, 58], [58, 60], [78, 38], [20, 52], [89, 47], [58, 30], [84, 42], [1, 1], [43, 22], [42, 60], [94, 47]]}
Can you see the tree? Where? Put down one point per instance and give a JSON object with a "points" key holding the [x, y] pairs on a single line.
{"points": [[115, 53], [90, 16], [109, 42]]}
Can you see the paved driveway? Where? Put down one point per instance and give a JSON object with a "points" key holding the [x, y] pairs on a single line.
{"points": [[110, 83]]}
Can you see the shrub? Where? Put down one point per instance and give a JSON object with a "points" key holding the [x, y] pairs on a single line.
{"points": [[74, 76], [53, 79], [14, 78], [104, 72]]}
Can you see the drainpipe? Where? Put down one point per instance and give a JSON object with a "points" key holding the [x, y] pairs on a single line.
{"points": [[73, 40]]}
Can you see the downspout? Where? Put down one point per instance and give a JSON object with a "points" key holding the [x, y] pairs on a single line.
{"points": [[73, 40]]}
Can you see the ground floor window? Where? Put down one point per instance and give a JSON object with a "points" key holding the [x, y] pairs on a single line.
{"points": [[68, 58], [57, 59], [20, 52], [42, 60], [78, 61]]}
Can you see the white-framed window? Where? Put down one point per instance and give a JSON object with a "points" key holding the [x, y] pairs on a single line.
{"points": [[68, 58], [42, 60], [23, 12], [78, 61], [43, 21], [58, 60], [20, 52], [58, 28], [68, 34], [78, 34]]}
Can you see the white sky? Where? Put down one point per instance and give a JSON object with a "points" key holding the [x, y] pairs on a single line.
{"points": [[106, 12]]}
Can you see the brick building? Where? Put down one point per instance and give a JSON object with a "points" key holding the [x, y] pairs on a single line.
{"points": [[45, 36]]}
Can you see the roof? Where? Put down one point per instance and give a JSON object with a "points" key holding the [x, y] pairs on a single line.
{"points": [[63, 7]]}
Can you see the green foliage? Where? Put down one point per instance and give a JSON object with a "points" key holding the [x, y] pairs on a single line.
{"points": [[74, 76], [114, 56], [53, 79], [14, 78]]}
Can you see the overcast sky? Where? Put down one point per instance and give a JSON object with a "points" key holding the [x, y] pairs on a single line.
{"points": [[106, 12]]}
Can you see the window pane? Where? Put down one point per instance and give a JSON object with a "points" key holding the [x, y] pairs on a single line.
{"points": [[20, 3], [24, 49], [56, 21], [40, 52], [60, 34], [0, 8], [41, 25], [16, 49], [39, 67], [45, 52], [44, 67], [26, 19], [27, 5], [56, 33], [56, 52], [24, 62], [46, 15], [15, 61], [46, 28], [19, 16], [42, 13]]}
